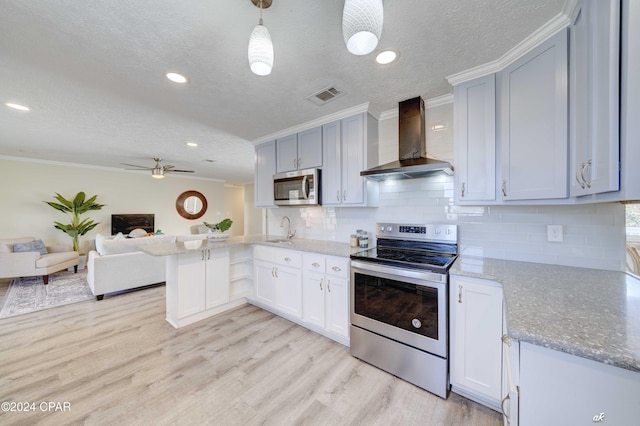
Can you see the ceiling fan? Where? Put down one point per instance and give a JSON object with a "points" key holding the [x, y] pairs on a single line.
{"points": [[157, 171]]}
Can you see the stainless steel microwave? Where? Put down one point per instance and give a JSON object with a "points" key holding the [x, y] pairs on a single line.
{"points": [[297, 188]]}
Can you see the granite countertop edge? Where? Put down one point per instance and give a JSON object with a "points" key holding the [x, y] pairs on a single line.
{"points": [[330, 248], [578, 337]]}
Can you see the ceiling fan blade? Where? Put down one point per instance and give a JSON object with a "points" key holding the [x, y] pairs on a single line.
{"points": [[178, 171], [139, 167]]}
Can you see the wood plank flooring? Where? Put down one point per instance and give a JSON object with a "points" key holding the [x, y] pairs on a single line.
{"points": [[118, 361]]}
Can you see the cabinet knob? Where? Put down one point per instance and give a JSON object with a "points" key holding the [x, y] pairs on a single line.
{"points": [[287, 259], [459, 294], [338, 195], [321, 284], [315, 264], [337, 268], [329, 286], [462, 190], [504, 187]]}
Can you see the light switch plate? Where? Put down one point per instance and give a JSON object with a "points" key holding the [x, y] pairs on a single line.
{"points": [[555, 233]]}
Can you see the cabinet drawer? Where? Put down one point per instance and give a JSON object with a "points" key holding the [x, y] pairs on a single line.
{"points": [[287, 257], [338, 266], [313, 262]]}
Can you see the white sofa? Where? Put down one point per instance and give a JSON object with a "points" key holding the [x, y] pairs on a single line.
{"points": [[118, 264]]}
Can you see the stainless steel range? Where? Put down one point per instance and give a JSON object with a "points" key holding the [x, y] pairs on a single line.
{"points": [[399, 302]]}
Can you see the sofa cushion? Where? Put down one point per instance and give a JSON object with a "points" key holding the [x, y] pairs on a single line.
{"points": [[129, 245], [137, 233], [6, 248], [52, 259], [36, 245]]}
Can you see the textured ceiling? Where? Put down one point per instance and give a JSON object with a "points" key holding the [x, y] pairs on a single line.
{"points": [[93, 72]]}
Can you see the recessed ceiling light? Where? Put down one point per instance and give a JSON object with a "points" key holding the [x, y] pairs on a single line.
{"points": [[386, 57], [17, 106], [192, 144], [176, 78]]}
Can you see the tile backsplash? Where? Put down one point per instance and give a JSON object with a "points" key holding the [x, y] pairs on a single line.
{"points": [[594, 234]]}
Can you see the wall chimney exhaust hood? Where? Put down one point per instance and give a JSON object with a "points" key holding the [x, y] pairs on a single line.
{"points": [[412, 147]]}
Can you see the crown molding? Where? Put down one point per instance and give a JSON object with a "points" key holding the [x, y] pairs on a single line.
{"points": [[549, 29], [314, 123], [94, 167]]}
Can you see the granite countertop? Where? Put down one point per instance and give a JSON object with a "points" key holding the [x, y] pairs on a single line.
{"points": [[331, 248], [590, 313]]}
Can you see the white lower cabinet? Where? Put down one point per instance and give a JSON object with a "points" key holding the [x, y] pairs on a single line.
{"points": [[557, 388], [310, 289], [197, 285], [476, 339], [325, 294], [278, 277]]}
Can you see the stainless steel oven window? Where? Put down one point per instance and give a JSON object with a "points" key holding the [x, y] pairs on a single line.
{"points": [[411, 307]]}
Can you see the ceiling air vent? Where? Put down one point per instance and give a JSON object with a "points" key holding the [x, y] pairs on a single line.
{"points": [[325, 95]]}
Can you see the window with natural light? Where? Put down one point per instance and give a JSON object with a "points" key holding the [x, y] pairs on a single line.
{"points": [[633, 238]]}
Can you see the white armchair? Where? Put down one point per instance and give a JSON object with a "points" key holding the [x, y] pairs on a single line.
{"points": [[33, 263]]}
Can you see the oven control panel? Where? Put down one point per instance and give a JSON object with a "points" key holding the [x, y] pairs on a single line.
{"points": [[427, 232]]}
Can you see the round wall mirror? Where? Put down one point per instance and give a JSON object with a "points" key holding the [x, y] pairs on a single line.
{"points": [[191, 205]]}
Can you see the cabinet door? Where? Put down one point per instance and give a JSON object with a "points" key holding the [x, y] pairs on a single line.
{"points": [[352, 135], [476, 337], [265, 169], [534, 123], [337, 305], [287, 153], [475, 139], [264, 280], [217, 278], [191, 288], [313, 306], [594, 97], [310, 148], [331, 164], [289, 290]]}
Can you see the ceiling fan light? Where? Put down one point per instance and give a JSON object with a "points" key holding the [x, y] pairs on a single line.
{"points": [[362, 25], [157, 173], [260, 51]]}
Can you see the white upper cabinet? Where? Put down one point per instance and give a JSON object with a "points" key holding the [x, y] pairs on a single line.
{"points": [[332, 169], [475, 139], [350, 146], [265, 169], [533, 131], [594, 97], [299, 151]]}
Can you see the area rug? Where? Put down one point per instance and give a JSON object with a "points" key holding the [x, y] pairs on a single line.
{"points": [[29, 294]]}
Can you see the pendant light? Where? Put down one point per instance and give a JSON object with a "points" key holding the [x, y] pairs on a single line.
{"points": [[362, 25], [260, 45]]}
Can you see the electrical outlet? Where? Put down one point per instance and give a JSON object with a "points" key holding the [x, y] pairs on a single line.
{"points": [[554, 233]]}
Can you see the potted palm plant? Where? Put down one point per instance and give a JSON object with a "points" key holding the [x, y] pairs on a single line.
{"points": [[74, 209]]}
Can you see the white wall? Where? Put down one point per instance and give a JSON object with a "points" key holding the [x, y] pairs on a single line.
{"points": [[234, 208], [26, 184], [594, 234]]}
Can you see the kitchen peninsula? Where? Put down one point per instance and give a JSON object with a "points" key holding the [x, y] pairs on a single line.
{"points": [[208, 276]]}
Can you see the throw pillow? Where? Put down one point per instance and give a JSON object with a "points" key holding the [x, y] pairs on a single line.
{"points": [[119, 236], [99, 243], [6, 248], [37, 245]]}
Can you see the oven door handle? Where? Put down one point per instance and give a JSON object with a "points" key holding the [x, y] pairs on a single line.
{"points": [[370, 268]]}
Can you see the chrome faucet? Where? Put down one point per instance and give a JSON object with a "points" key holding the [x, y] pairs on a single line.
{"points": [[289, 234]]}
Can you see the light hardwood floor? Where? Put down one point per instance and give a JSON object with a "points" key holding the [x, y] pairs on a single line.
{"points": [[118, 362]]}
